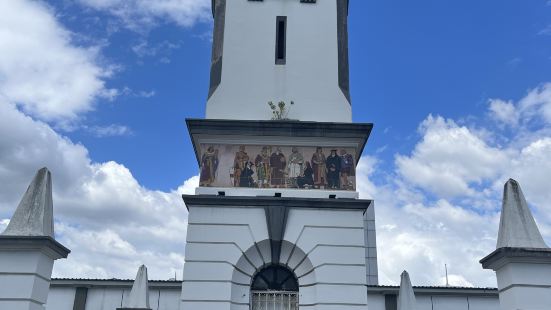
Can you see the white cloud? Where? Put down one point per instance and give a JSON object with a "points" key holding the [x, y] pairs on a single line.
{"points": [[140, 15], [41, 70], [145, 49], [112, 130], [456, 224], [532, 168], [449, 158], [530, 112], [103, 214], [537, 104], [422, 237], [504, 111], [109, 221]]}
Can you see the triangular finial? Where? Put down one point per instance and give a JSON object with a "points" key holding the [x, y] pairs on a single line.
{"points": [[34, 215], [517, 227], [139, 296], [406, 297]]}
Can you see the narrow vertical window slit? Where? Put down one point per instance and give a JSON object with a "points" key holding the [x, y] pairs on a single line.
{"points": [[281, 38]]}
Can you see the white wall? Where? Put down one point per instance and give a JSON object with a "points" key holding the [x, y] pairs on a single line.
{"points": [[110, 297], [61, 298], [441, 301], [250, 77], [525, 284], [226, 246]]}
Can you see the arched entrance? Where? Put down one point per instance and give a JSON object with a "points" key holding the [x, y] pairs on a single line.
{"points": [[274, 288]]}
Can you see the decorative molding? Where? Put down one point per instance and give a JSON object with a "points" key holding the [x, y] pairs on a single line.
{"points": [[211, 201], [503, 256], [287, 129], [31, 300], [48, 245], [525, 286]]}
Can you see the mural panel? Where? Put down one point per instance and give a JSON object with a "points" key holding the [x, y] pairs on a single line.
{"points": [[265, 166]]}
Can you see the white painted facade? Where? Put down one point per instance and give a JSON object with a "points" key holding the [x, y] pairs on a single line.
{"points": [[24, 279], [109, 294], [250, 78], [526, 285], [226, 247]]}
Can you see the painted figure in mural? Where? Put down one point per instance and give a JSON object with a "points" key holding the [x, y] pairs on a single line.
{"points": [[246, 176], [306, 180], [262, 164], [333, 170], [318, 164], [239, 164], [295, 166], [209, 165], [278, 164], [347, 170]]}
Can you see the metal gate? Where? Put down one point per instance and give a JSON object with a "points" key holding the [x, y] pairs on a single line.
{"points": [[272, 300]]}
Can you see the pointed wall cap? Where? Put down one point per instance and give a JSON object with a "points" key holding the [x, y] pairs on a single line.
{"points": [[139, 296], [34, 215], [517, 227], [406, 296]]}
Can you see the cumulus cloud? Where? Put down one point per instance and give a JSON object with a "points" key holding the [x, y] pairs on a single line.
{"points": [[422, 236], [41, 70], [449, 158], [504, 112], [441, 204], [530, 112], [140, 15], [109, 221], [532, 168]]}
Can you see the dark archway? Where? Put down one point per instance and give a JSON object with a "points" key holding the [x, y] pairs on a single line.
{"points": [[275, 278]]}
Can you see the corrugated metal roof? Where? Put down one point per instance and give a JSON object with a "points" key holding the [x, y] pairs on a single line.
{"points": [[177, 284]]}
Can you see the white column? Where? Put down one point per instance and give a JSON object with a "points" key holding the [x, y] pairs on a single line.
{"points": [[28, 249], [26, 264], [523, 277], [522, 260], [139, 295]]}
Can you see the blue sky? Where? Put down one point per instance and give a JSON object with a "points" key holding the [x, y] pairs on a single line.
{"points": [[408, 59], [98, 91]]}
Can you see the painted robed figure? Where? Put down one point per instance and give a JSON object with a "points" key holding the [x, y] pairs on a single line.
{"points": [[348, 169], [262, 164], [333, 164], [296, 166], [278, 164], [239, 164], [209, 165], [319, 167]]}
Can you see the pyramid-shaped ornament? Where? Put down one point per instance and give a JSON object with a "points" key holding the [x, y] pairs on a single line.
{"points": [[139, 296], [34, 215], [517, 227], [406, 297]]}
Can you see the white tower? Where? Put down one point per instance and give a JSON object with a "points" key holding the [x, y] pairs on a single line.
{"points": [[276, 222], [280, 50]]}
